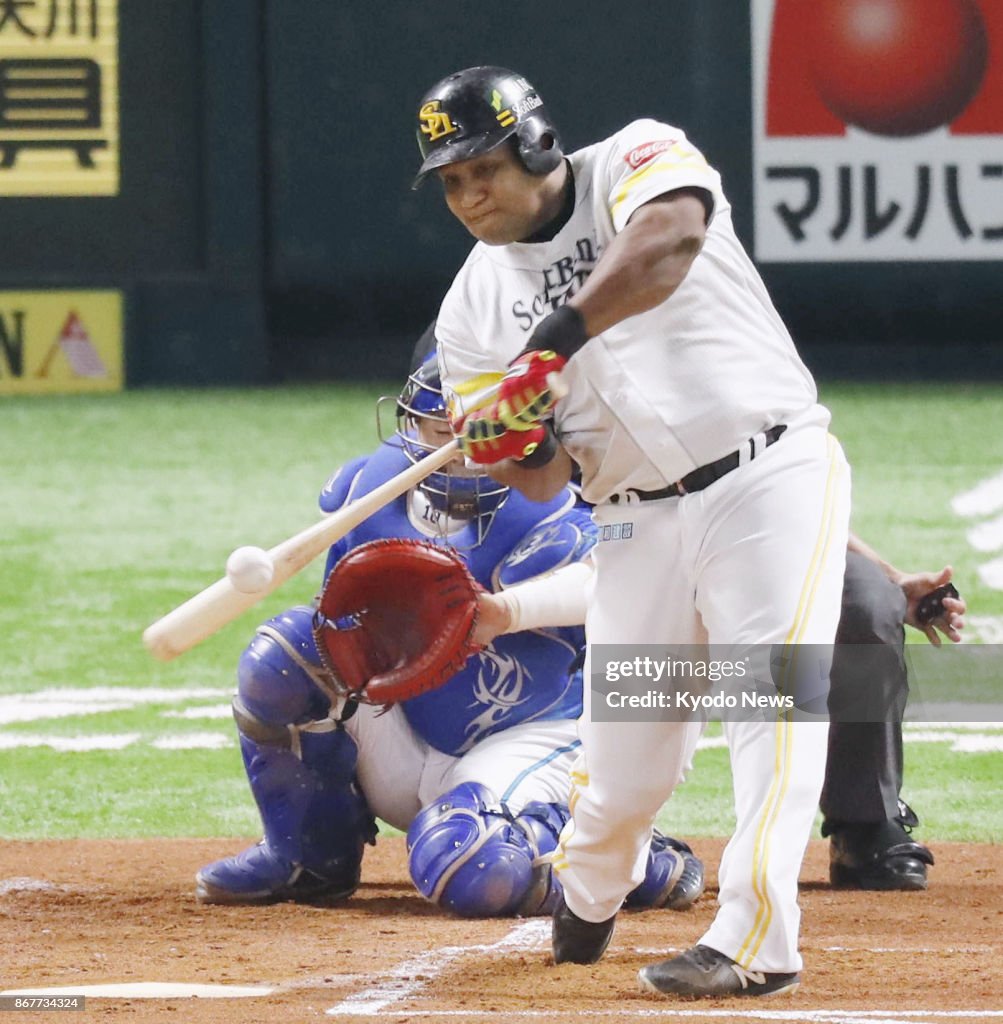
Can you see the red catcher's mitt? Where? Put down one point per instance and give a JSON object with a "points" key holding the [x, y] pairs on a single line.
{"points": [[396, 619]]}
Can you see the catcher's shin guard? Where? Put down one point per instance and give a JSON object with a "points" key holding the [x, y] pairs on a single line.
{"points": [[302, 774], [316, 824], [542, 824], [469, 855], [673, 876]]}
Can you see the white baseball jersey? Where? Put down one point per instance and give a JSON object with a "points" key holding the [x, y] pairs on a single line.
{"points": [[661, 393], [756, 558]]}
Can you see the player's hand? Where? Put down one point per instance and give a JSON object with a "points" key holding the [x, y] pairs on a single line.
{"points": [[494, 617], [525, 396], [949, 609], [485, 439]]}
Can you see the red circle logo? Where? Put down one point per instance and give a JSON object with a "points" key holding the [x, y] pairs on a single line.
{"points": [[897, 67]]}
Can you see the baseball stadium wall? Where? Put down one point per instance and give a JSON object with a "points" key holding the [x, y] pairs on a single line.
{"points": [[200, 192]]}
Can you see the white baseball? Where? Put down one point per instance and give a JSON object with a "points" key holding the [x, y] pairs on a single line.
{"points": [[249, 569]]}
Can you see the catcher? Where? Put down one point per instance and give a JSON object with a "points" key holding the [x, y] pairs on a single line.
{"points": [[369, 706]]}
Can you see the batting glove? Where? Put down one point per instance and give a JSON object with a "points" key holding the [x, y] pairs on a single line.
{"points": [[485, 440], [524, 395]]}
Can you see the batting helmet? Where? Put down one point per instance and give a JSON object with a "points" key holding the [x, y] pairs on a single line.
{"points": [[471, 112]]}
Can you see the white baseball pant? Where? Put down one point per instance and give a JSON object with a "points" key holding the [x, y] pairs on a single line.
{"points": [[756, 558]]}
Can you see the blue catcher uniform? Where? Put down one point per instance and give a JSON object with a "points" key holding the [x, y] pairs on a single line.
{"points": [[476, 771], [521, 677]]}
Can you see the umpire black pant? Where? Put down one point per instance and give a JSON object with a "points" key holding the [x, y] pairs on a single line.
{"points": [[867, 698]]}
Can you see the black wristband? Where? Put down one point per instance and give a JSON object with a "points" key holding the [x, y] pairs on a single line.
{"points": [[562, 332], [544, 451]]}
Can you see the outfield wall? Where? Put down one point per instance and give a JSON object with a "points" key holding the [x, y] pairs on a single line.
{"points": [[249, 191]]}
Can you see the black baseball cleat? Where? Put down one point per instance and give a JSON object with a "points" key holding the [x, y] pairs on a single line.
{"points": [[576, 941], [702, 972], [878, 856]]}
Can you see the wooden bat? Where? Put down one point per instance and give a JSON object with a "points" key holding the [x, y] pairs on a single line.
{"points": [[219, 604]]}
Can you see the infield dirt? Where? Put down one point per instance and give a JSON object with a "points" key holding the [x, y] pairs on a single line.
{"points": [[75, 914]]}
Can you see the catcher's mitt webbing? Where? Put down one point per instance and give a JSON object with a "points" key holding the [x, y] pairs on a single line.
{"points": [[396, 619]]}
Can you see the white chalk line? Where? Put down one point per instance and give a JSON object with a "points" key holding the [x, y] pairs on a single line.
{"points": [[894, 950], [794, 1016], [148, 990], [411, 976]]}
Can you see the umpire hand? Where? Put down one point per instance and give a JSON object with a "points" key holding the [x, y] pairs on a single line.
{"points": [[949, 607]]}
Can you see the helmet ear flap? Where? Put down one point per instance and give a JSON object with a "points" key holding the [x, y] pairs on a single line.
{"points": [[538, 146]]}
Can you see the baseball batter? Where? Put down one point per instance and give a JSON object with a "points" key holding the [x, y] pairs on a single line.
{"points": [[721, 499], [476, 771]]}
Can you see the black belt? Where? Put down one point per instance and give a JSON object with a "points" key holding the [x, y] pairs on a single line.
{"points": [[704, 476]]}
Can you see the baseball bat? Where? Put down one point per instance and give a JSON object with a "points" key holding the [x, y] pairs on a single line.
{"points": [[219, 604]]}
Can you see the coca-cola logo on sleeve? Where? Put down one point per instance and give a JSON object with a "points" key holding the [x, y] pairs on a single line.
{"points": [[640, 155]]}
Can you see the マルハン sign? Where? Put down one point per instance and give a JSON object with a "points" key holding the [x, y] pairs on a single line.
{"points": [[878, 129]]}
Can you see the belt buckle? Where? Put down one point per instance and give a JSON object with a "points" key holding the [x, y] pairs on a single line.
{"points": [[680, 487]]}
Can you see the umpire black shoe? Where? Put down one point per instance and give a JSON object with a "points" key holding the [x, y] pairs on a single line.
{"points": [[702, 972], [878, 856], [576, 941]]}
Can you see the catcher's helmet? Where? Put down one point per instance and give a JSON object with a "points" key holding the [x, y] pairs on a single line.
{"points": [[471, 112], [462, 493]]}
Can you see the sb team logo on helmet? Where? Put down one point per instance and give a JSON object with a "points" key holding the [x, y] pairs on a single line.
{"points": [[470, 112], [435, 122]]}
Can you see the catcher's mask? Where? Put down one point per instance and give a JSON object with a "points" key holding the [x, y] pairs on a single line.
{"points": [[464, 493], [472, 111]]}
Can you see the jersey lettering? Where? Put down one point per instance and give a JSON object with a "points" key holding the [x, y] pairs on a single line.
{"points": [[562, 279]]}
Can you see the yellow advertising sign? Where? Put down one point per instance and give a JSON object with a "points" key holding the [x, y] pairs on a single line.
{"points": [[60, 342], [59, 124]]}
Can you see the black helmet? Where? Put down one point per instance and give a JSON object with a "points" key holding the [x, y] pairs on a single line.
{"points": [[471, 112]]}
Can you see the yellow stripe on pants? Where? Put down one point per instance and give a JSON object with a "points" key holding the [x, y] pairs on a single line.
{"points": [[783, 737]]}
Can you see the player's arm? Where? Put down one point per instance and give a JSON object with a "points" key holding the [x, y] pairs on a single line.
{"points": [[917, 586], [646, 262], [547, 602], [537, 482]]}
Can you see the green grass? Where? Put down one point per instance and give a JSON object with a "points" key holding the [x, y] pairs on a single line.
{"points": [[116, 508]]}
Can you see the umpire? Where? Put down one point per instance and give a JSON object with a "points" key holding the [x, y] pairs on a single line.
{"points": [[868, 823]]}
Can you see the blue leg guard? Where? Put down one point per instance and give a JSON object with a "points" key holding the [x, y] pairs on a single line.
{"points": [[301, 767], [542, 824], [468, 854], [673, 878]]}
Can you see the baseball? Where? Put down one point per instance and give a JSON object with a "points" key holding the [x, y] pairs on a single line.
{"points": [[249, 569]]}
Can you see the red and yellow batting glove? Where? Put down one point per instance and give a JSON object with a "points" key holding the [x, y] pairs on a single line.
{"points": [[484, 439], [525, 396]]}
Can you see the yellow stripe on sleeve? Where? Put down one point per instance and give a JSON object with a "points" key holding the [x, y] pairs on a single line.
{"points": [[473, 394], [663, 165]]}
